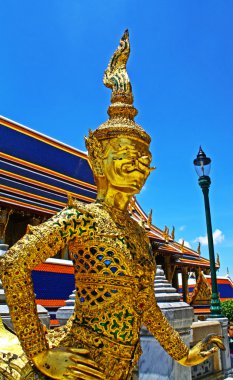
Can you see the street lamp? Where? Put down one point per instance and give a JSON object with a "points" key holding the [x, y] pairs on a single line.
{"points": [[202, 167]]}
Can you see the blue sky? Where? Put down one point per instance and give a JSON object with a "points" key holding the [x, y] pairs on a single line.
{"points": [[54, 53]]}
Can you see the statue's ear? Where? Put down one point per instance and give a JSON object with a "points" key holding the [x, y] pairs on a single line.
{"points": [[96, 153], [102, 186]]}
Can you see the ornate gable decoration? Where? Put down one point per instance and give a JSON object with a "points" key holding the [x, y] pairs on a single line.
{"points": [[201, 294]]}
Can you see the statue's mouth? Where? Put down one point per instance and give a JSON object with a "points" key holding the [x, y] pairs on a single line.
{"points": [[135, 170]]}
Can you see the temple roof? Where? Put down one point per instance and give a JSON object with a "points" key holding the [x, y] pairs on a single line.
{"points": [[37, 172], [167, 244]]}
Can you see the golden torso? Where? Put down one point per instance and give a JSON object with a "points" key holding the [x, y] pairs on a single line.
{"points": [[112, 271]]}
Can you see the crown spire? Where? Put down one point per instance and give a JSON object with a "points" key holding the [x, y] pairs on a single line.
{"points": [[116, 77], [121, 111]]}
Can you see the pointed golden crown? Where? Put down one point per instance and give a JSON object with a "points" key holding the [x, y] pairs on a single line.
{"points": [[121, 111]]}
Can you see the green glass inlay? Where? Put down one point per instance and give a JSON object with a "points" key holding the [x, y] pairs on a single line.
{"points": [[115, 324], [118, 315]]}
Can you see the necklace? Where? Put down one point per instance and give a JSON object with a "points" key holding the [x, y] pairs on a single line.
{"points": [[120, 217]]}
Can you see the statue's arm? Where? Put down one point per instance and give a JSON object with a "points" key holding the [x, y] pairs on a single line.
{"points": [[160, 328], [170, 340], [35, 247]]}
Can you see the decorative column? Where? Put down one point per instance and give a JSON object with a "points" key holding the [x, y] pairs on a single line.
{"points": [[185, 283], [175, 280], [4, 219], [168, 271], [197, 272]]}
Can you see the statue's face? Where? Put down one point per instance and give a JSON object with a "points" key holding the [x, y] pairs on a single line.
{"points": [[127, 164]]}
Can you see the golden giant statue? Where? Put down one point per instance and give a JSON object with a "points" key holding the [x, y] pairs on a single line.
{"points": [[113, 262]]}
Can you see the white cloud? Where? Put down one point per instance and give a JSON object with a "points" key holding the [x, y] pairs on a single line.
{"points": [[218, 238], [186, 243], [181, 228]]}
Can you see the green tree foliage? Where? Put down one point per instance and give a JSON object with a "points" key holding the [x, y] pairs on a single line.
{"points": [[227, 309]]}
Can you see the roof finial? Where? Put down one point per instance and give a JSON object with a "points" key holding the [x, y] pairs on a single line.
{"points": [[149, 219], [218, 260], [166, 234], [173, 233], [182, 246]]}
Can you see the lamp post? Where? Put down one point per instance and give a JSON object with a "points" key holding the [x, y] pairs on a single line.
{"points": [[202, 167]]}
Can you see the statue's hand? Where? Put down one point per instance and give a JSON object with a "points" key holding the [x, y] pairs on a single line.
{"points": [[67, 363], [201, 351]]}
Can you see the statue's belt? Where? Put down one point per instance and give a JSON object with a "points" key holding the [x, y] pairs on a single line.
{"points": [[126, 285], [95, 341], [125, 281]]}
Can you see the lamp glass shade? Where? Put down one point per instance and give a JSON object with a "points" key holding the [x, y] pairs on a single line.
{"points": [[202, 164]]}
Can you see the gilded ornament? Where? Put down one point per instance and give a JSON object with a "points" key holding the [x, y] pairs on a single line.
{"points": [[173, 233], [149, 219], [4, 219], [218, 260], [201, 294]]}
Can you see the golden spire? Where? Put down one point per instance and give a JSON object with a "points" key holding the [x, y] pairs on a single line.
{"points": [[218, 260], [173, 233], [149, 219], [199, 248], [166, 233], [116, 76], [182, 246], [121, 111]]}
